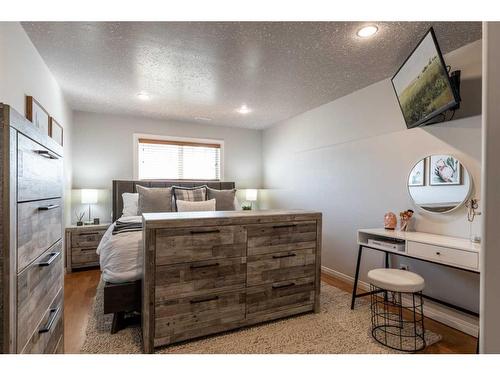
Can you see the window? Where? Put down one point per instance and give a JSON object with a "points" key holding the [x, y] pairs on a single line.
{"points": [[178, 160]]}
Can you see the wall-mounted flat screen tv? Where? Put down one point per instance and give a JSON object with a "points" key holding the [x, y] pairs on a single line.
{"points": [[422, 84]]}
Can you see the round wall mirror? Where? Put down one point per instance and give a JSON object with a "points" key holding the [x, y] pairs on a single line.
{"points": [[439, 183]]}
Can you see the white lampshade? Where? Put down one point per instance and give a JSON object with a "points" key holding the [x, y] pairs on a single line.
{"points": [[251, 195], [89, 196]]}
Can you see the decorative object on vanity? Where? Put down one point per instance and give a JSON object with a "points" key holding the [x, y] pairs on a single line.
{"points": [[56, 131], [405, 217], [79, 218], [390, 221], [444, 170], [451, 252], [472, 207], [209, 272], [250, 197], [449, 187], [392, 292], [31, 254], [81, 245], [90, 197], [37, 115]]}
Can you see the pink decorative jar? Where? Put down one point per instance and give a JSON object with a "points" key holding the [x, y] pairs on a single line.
{"points": [[390, 221]]}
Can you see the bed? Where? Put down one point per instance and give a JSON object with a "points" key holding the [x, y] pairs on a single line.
{"points": [[121, 254]]}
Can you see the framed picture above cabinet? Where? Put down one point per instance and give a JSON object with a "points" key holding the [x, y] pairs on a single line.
{"points": [[55, 131], [37, 114]]}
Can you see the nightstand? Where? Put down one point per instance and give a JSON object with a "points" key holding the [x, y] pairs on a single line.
{"points": [[81, 245]]}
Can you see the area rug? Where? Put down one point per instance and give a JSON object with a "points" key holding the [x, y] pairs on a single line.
{"points": [[335, 330]]}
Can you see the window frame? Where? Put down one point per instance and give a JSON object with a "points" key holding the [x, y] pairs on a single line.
{"points": [[135, 147]]}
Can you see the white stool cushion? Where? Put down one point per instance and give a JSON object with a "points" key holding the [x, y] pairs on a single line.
{"points": [[396, 280]]}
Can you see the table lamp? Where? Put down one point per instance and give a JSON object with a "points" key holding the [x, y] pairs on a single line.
{"points": [[89, 196], [251, 196]]}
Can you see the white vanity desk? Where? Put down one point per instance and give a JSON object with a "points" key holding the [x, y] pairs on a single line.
{"points": [[458, 253]]}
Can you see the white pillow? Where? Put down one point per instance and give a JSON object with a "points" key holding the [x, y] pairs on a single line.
{"points": [[130, 204], [188, 206]]}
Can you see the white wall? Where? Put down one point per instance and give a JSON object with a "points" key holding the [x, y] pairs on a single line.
{"points": [[490, 256], [23, 72], [350, 159], [103, 151]]}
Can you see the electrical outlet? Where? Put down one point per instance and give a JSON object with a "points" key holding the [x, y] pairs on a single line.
{"points": [[404, 267]]}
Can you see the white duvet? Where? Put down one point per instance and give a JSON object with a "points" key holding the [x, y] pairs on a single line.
{"points": [[120, 255]]}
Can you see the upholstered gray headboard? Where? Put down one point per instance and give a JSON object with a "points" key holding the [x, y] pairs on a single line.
{"points": [[128, 186]]}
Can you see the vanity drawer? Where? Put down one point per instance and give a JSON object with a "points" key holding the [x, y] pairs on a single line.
{"points": [[446, 255], [92, 238], [287, 236], [84, 257], [197, 244], [277, 297], [274, 267], [191, 279], [37, 286], [185, 318], [48, 335], [39, 171], [39, 227]]}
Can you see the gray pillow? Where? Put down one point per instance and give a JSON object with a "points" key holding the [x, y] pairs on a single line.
{"points": [[224, 199], [154, 200]]}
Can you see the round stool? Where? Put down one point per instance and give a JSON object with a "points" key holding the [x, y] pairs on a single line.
{"points": [[397, 309]]}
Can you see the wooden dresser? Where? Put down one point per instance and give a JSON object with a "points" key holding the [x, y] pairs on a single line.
{"points": [[208, 272], [31, 254], [81, 245]]}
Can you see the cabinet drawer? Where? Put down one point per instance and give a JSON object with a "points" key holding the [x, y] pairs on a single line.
{"points": [[190, 317], [197, 244], [48, 335], [84, 257], [190, 279], [39, 227], [37, 286], [446, 255], [87, 239], [269, 238], [277, 297], [274, 267], [39, 171]]}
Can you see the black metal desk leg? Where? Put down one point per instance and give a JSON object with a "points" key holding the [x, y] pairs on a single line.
{"points": [[356, 276], [386, 266]]}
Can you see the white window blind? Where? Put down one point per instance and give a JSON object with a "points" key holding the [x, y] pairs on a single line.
{"points": [[164, 159]]}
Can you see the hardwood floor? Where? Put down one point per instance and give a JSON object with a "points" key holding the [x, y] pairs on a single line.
{"points": [[80, 288]]}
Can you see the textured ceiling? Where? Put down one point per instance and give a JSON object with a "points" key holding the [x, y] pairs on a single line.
{"points": [[196, 70]]}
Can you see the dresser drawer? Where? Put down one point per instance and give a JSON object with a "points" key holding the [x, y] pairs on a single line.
{"points": [[48, 335], [446, 255], [274, 267], [191, 279], [269, 238], [87, 239], [84, 257], [38, 227], [197, 244], [39, 171], [185, 318], [277, 297], [37, 286]]}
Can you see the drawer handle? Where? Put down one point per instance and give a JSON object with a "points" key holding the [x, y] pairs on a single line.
{"points": [[204, 265], [284, 256], [284, 226], [88, 234], [48, 262], [52, 317], [48, 207], [204, 300], [284, 286], [438, 253], [47, 154], [205, 232]]}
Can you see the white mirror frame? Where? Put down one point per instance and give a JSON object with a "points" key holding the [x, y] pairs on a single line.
{"points": [[467, 196]]}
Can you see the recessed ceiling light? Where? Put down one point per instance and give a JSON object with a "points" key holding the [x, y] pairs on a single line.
{"points": [[367, 31], [244, 109], [143, 95]]}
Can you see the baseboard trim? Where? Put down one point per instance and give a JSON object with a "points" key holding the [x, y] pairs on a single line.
{"points": [[437, 312]]}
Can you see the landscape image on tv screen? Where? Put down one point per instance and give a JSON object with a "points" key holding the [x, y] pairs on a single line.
{"points": [[422, 84]]}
